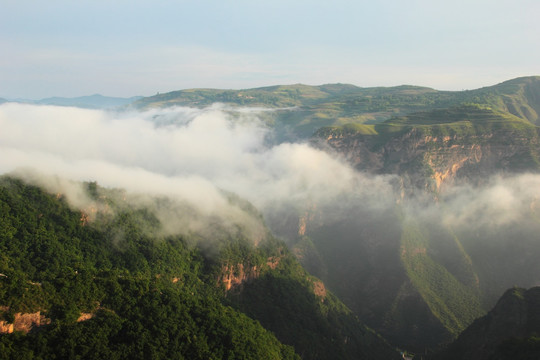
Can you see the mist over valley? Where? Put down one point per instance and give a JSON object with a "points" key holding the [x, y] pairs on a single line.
{"points": [[405, 211], [270, 180]]}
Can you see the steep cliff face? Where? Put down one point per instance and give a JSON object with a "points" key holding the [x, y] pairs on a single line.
{"points": [[235, 275], [232, 276], [415, 281], [431, 150], [24, 322]]}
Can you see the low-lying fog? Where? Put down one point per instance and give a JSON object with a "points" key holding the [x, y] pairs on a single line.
{"points": [[193, 154]]}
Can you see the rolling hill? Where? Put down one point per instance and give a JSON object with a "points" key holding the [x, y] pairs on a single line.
{"points": [[302, 109]]}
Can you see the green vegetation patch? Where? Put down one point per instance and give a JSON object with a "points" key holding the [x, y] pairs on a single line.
{"points": [[149, 297], [454, 304], [152, 296]]}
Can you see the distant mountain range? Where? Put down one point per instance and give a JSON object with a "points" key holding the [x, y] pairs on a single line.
{"points": [[333, 104], [95, 101], [303, 109]]}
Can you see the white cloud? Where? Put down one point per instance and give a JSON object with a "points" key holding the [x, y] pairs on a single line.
{"points": [[192, 155], [187, 154]]}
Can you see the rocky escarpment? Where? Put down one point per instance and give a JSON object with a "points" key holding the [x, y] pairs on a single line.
{"points": [[431, 150], [233, 276], [23, 322], [27, 322]]}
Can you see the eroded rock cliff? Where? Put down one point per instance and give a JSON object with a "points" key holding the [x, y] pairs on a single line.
{"points": [[438, 148]]}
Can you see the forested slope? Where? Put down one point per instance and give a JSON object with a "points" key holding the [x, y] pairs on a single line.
{"points": [[105, 284]]}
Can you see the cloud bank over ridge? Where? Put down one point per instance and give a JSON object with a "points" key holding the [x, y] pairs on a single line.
{"points": [[197, 155], [188, 154]]}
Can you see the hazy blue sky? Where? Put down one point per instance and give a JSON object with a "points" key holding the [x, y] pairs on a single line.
{"points": [[125, 48]]}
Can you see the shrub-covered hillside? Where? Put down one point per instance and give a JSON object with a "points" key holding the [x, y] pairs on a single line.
{"points": [[104, 284]]}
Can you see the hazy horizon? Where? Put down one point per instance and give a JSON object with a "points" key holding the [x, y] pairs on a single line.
{"points": [[9, 98]]}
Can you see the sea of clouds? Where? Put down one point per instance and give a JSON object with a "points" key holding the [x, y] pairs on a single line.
{"points": [[197, 156]]}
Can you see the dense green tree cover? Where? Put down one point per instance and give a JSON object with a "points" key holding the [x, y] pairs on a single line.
{"points": [[319, 327], [151, 298], [509, 331], [158, 296]]}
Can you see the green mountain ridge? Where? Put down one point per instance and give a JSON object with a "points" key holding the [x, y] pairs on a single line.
{"points": [[439, 147], [145, 295], [509, 331], [339, 104]]}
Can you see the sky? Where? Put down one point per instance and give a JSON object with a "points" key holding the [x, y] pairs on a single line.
{"points": [[128, 48]]}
